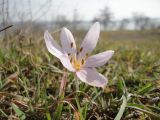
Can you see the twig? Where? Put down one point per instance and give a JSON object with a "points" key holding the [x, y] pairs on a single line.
{"points": [[5, 28]]}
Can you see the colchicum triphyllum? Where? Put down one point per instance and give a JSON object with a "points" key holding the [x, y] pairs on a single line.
{"points": [[79, 61]]}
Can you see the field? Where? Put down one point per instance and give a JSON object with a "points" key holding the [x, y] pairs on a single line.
{"points": [[30, 80]]}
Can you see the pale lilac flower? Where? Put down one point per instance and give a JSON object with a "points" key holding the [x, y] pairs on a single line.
{"points": [[79, 61]]}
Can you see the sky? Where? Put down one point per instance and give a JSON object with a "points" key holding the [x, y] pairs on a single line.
{"points": [[86, 9], [120, 8]]}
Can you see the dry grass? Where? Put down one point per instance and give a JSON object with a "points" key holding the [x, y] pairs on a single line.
{"points": [[30, 80]]}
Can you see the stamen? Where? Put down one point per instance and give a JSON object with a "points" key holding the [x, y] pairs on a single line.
{"points": [[86, 56], [78, 66], [71, 60], [81, 49], [71, 44], [69, 54], [77, 53], [82, 61]]}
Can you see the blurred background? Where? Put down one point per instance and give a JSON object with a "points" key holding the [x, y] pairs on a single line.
{"points": [[114, 15]]}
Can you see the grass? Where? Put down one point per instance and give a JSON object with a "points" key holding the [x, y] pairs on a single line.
{"points": [[30, 81]]}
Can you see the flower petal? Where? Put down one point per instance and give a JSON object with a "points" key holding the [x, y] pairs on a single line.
{"points": [[66, 62], [67, 41], [92, 77], [52, 46], [99, 59], [90, 40]]}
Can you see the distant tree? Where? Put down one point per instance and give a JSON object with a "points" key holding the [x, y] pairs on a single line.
{"points": [[124, 23], [95, 19], [61, 21], [105, 17], [75, 19], [141, 22], [4, 17]]}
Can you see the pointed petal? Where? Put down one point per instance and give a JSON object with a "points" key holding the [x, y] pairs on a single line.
{"points": [[67, 41], [66, 62], [92, 77], [52, 46], [90, 40], [99, 59]]}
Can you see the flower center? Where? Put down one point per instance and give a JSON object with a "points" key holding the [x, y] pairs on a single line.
{"points": [[77, 64]]}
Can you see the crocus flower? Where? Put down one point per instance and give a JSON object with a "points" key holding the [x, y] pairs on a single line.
{"points": [[79, 61]]}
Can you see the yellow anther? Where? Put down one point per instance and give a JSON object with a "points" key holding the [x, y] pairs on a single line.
{"points": [[76, 63], [78, 66]]}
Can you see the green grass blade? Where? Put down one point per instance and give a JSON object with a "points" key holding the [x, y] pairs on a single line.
{"points": [[48, 116], [59, 108], [79, 108], [18, 112], [122, 109], [146, 88], [142, 109], [58, 112], [1, 111]]}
